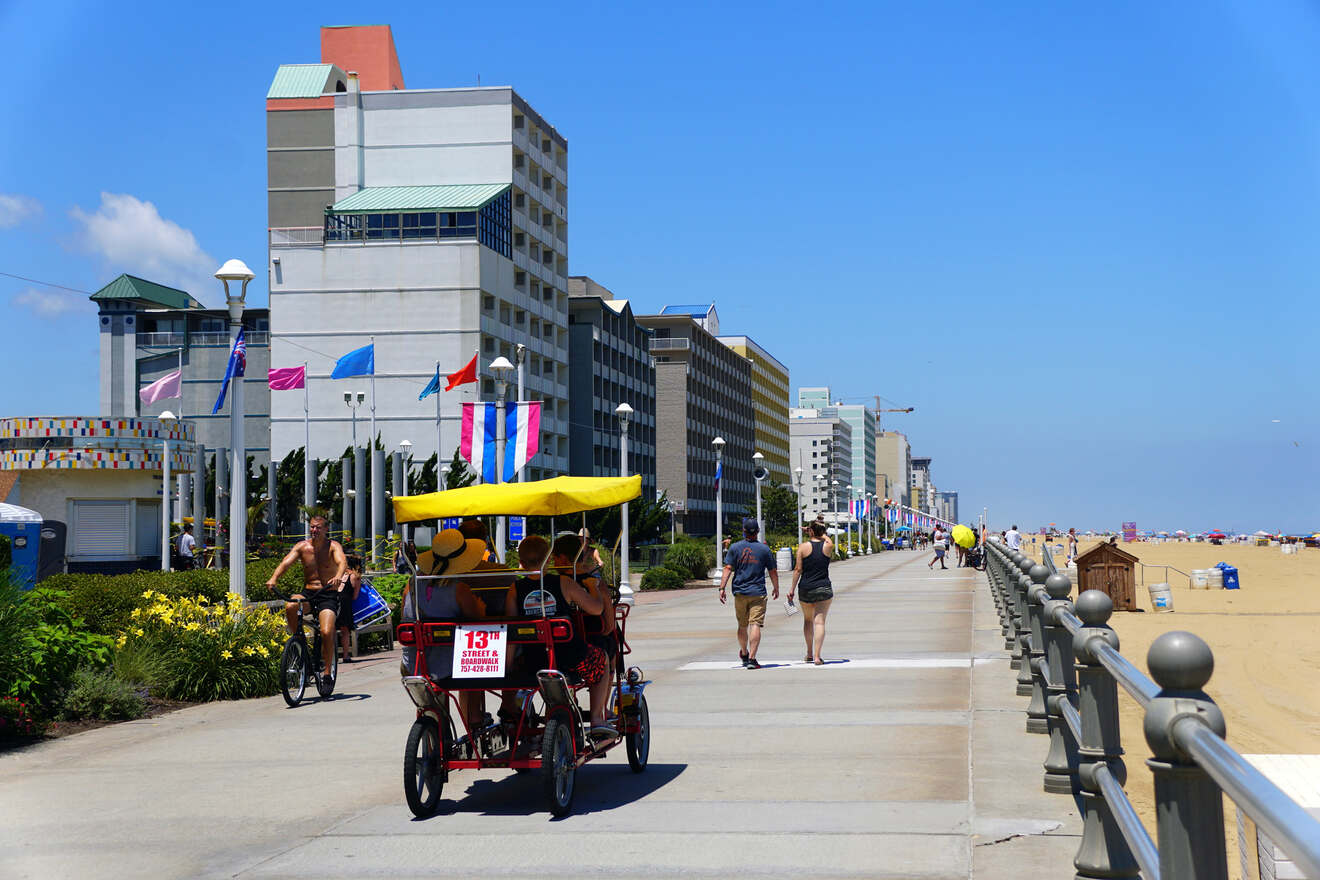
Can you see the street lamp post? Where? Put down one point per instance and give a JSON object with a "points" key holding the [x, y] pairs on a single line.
{"points": [[501, 368], [236, 270], [718, 443], [852, 496], [624, 413], [797, 480], [519, 357], [444, 479], [758, 474], [870, 522], [834, 503], [405, 450], [354, 400], [167, 421]]}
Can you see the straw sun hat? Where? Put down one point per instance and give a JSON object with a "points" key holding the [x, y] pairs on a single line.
{"points": [[450, 554]]}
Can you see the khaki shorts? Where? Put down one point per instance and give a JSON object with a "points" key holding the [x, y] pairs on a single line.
{"points": [[750, 609]]}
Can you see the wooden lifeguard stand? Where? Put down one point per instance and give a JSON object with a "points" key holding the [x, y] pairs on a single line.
{"points": [[1111, 571]]}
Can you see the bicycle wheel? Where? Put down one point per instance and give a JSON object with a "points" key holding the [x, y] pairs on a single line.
{"points": [[423, 768], [325, 684], [639, 743], [558, 767], [293, 671]]}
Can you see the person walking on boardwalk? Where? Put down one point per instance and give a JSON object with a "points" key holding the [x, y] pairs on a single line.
{"points": [[937, 541], [1013, 538], [747, 562], [1072, 544], [812, 575]]}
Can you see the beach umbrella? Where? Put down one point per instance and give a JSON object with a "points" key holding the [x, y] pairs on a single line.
{"points": [[1180, 533], [903, 529], [1261, 533], [963, 536], [1216, 534]]}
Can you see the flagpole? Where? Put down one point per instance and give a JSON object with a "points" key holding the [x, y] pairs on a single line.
{"points": [[309, 475], [439, 446], [371, 455]]}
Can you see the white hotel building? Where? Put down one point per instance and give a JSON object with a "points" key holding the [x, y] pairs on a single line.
{"points": [[433, 221]]}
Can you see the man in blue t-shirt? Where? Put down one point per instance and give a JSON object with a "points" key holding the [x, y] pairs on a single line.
{"points": [[747, 562]]}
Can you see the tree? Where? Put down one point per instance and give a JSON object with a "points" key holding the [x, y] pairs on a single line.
{"points": [[779, 507], [289, 489]]}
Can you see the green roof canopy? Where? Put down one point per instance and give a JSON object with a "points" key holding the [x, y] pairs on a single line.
{"points": [[149, 293], [300, 81], [457, 197]]}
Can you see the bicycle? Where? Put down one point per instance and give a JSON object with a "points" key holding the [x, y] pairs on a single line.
{"points": [[298, 662]]}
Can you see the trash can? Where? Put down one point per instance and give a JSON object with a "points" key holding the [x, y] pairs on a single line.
{"points": [[1230, 576], [784, 559], [1161, 597]]}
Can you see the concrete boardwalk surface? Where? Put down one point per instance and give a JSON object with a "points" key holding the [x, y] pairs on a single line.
{"points": [[905, 756]]}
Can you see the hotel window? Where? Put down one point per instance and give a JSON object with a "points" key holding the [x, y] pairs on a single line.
{"points": [[419, 225]]}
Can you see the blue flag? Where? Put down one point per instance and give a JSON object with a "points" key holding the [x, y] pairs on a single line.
{"points": [[719, 472], [432, 387], [235, 368], [359, 362]]}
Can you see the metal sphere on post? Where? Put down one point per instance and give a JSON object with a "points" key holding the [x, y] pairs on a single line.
{"points": [[236, 271], [624, 413], [502, 370], [167, 423], [718, 443]]}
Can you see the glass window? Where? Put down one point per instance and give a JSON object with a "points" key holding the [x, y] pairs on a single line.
{"points": [[419, 225], [382, 226]]}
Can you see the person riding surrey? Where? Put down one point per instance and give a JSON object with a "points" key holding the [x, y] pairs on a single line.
{"points": [[812, 575], [445, 599], [593, 667], [323, 564], [348, 593], [747, 563]]}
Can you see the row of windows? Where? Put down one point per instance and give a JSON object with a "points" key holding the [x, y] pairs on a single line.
{"points": [[490, 226]]}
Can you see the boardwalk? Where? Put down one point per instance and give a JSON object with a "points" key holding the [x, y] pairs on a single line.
{"points": [[907, 760]]}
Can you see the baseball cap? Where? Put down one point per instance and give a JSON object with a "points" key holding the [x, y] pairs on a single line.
{"points": [[751, 525]]}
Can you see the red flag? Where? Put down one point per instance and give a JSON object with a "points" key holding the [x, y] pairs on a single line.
{"points": [[463, 376]]}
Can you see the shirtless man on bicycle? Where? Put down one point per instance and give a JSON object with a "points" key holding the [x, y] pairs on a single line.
{"points": [[324, 566]]}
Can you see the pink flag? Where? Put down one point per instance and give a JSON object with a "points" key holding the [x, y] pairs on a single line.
{"points": [[167, 386], [287, 378]]}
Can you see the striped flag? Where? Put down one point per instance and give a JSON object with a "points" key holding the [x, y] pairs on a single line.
{"points": [[522, 432]]}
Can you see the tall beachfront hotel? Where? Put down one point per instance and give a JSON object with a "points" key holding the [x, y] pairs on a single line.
{"points": [[432, 221]]}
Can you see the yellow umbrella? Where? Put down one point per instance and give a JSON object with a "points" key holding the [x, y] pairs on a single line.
{"points": [[553, 497], [963, 536]]}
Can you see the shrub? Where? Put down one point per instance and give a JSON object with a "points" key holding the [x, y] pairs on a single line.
{"points": [[691, 559], [6, 552], [51, 647], [106, 601], [16, 722], [102, 695], [220, 651], [661, 578]]}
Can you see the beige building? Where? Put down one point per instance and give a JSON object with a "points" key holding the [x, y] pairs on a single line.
{"points": [[770, 395], [893, 465]]}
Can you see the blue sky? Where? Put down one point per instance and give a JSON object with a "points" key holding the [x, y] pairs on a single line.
{"points": [[1080, 240]]}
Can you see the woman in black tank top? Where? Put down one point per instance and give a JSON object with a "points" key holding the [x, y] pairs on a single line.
{"points": [[812, 574]]}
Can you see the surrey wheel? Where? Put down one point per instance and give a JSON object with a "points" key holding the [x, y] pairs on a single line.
{"points": [[558, 765], [423, 767], [639, 743]]}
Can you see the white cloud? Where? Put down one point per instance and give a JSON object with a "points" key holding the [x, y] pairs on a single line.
{"points": [[50, 304], [14, 208], [131, 236]]}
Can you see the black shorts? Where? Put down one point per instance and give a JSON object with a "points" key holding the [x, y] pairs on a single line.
{"points": [[345, 612], [322, 599]]}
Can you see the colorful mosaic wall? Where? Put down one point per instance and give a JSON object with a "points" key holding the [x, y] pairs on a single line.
{"points": [[92, 459], [148, 429]]}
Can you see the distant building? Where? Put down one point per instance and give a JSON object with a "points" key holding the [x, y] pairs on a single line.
{"points": [[702, 390], [770, 390], [822, 447], [100, 478], [147, 330], [434, 221], [609, 364], [862, 420], [948, 502], [922, 485], [893, 464]]}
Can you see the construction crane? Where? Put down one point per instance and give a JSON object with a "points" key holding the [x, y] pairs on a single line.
{"points": [[879, 409]]}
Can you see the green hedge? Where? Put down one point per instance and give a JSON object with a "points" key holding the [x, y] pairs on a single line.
{"points": [[690, 559], [105, 601], [6, 552], [661, 578]]}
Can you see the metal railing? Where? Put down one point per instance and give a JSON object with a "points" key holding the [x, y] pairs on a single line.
{"points": [[1068, 662], [672, 344], [1166, 568], [154, 340], [296, 236]]}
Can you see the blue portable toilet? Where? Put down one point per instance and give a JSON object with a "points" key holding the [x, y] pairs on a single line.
{"points": [[1230, 576], [23, 528]]}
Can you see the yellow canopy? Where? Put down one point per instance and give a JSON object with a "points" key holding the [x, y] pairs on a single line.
{"points": [[553, 497], [963, 536]]}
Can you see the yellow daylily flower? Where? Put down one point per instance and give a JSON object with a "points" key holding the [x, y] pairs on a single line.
{"points": [[226, 655]]}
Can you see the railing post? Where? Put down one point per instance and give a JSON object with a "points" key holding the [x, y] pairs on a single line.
{"points": [[995, 566], [1022, 565], [1017, 624], [1189, 806], [1036, 709], [1104, 852], [1061, 762]]}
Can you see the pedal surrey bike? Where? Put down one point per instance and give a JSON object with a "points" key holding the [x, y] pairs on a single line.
{"points": [[298, 661]]}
